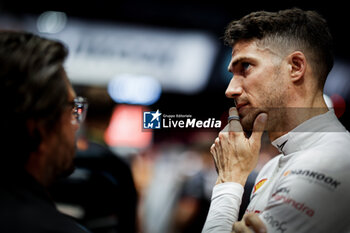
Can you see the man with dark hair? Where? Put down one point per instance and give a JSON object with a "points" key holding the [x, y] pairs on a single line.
{"points": [[40, 116], [280, 61]]}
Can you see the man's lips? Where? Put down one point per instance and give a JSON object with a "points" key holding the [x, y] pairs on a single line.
{"points": [[240, 106]]}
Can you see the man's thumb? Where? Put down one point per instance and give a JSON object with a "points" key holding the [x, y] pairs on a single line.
{"points": [[259, 127]]}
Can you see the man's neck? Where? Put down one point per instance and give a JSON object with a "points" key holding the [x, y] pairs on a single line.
{"points": [[291, 117], [37, 169]]}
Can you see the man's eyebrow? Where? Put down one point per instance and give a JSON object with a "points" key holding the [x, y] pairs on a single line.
{"points": [[236, 61]]}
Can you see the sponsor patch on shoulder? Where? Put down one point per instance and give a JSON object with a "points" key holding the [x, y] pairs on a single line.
{"points": [[259, 184]]}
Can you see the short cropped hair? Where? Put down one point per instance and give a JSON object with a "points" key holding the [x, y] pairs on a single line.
{"points": [[32, 87], [288, 30]]}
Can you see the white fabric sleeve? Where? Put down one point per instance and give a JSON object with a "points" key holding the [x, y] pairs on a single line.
{"points": [[224, 207]]}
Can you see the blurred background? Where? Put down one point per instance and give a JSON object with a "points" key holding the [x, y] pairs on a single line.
{"points": [[132, 56]]}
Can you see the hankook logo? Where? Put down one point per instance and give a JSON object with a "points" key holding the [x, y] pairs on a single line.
{"points": [[318, 177]]}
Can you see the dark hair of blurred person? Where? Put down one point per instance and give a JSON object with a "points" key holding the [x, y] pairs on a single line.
{"points": [[38, 127]]}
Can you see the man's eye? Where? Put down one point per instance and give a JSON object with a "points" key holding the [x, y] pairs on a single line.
{"points": [[245, 65]]}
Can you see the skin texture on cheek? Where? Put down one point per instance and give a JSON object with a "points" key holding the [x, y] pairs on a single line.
{"points": [[68, 139], [63, 152], [268, 94], [263, 82]]}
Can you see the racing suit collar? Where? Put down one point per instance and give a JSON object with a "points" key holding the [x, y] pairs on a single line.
{"points": [[308, 133]]}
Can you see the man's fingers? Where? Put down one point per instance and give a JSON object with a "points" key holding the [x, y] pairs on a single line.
{"points": [[225, 129], [258, 128], [213, 152], [234, 125], [240, 227], [253, 221], [212, 149]]}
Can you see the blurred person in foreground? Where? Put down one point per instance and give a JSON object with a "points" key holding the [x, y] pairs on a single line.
{"points": [[280, 62], [102, 185], [40, 117]]}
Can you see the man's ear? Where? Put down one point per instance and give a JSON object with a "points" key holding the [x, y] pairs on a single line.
{"points": [[297, 64], [36, 133]]}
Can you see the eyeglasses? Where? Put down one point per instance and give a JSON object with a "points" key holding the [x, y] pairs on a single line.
{"points": [[80, 106]]}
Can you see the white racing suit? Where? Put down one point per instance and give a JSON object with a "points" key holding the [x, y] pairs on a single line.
{"points": [[304, 189]]}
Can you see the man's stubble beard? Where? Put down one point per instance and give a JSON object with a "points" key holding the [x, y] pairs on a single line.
{"points": [[274, 105], [66, 167]]}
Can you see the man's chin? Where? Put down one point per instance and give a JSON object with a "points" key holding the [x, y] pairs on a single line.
{"points": [[248, 120], [67, 172], [247, 126]]}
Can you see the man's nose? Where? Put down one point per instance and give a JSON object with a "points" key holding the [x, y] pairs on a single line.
{"points": [[234, 89]]}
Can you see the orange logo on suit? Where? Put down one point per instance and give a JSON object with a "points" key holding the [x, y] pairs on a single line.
{"points": [[286, 173], [259, 184]]}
